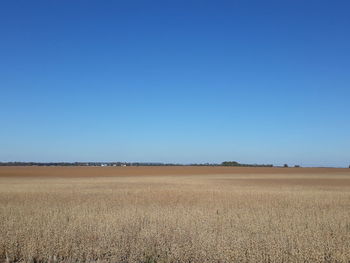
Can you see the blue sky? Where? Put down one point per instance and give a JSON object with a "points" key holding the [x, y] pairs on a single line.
{"points": [[175, 81]]}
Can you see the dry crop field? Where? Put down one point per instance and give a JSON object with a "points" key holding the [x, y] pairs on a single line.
{"points": [[174, 214]]}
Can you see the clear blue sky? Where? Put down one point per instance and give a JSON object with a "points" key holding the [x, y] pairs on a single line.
{"points": [[175, 81]]}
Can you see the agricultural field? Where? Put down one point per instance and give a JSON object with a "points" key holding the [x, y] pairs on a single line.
{"points": [[174, 214]]}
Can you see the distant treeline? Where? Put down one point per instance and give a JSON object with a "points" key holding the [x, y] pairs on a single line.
{"points": [[227, 163], [245, 165], [85, 164]]}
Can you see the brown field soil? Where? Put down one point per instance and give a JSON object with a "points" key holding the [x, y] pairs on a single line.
{"points": [[174, 214], [42, 171]]}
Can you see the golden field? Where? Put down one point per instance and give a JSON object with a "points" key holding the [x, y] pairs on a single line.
{"points": [[174, 214]]}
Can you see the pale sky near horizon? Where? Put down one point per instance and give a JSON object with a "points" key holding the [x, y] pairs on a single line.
{"points": [[175, 81]]}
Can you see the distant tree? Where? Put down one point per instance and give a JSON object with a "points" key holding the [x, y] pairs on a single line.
{"points": [[296, 166], [285, 165], [230, 164]]}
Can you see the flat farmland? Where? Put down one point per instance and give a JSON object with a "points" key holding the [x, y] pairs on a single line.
{"points": [[174, 214]]}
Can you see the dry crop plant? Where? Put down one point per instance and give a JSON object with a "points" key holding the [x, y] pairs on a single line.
{"points": [[172, 219]]}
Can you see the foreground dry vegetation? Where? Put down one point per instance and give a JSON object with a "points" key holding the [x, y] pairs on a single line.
{"points": [[230, 216]]}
